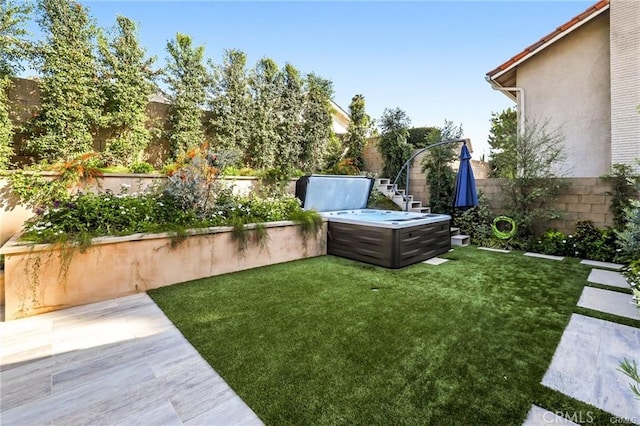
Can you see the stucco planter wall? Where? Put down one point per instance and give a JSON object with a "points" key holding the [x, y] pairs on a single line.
{"points": [[43, 278]]}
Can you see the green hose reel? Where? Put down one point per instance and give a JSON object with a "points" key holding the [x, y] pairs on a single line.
{"points": [[507, 234]]}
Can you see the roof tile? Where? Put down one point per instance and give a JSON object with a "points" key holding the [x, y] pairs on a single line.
{"points": [[567, 26]]}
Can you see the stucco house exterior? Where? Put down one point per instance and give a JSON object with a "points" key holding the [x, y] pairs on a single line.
{"points": [[584, 79]]}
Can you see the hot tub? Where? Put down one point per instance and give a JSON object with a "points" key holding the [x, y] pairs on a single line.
{"points": [[393, 239]]}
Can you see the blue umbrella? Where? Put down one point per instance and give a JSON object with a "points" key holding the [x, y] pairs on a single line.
{"points": [[465, 195]]}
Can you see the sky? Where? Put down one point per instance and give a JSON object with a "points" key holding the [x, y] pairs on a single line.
{"points": [[428, 58]]}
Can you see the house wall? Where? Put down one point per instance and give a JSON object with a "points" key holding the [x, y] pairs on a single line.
{"points": [[625, 81], [568, 84]]}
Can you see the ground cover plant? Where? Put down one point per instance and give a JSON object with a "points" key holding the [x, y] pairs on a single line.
{"points": [[192, 196], [333, 341]]}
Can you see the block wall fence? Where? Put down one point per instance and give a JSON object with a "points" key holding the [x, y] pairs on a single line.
{"points": [[581, 199]]}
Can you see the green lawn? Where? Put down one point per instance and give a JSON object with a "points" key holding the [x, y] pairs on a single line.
{"points": [[309, 342]]}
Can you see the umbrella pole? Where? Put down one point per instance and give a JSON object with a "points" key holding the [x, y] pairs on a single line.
{"points": [[407, 166]]}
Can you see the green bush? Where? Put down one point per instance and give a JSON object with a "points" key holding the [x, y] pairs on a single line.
{"points": [[630, 235], [476, 222], [141, 167], [588, 242], [552, 242]]}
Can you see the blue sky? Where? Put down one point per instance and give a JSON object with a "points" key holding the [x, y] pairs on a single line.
{"points": [[428, 58]]}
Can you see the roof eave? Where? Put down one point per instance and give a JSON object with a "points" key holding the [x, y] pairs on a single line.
{"points": [[543, 44]]}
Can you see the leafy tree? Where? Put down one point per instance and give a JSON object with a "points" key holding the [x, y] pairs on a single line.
{"points": [[317, 123], [419, 137], [291, 126], [538, 154], [69, 95], [502, 143], [266, 84], [358, 129], [13, 48], [441, 178], [187, 79], [231, 102], [126, 85], [394, 125]]}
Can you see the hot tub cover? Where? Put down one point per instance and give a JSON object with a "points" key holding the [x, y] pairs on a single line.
{"points": [[330, 192]]}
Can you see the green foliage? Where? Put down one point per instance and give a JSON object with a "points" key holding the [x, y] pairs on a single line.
{"points": [[87, 215], [631, 273], [37, 191], [623, 189], [230, 102], [290, 128], [187, 78], [317, 120], [379, 201], [346, 166], [40, 192], [81, 216], [69, 94], [538, 153], [420, 137], [393, 145], [266, 84], [503, 144], [6, 126], [274, 181], [587, 242], [126, 84], [242, 234], [476, 222], [141, 167], [630, 368], [552, 242], [195, 187], [239, 171], [629, 236], [441, 178], [310, 222], [13, 49], [357, 131]]}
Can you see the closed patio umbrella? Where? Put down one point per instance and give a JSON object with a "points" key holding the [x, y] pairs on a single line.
{"points": [[465, 193]]}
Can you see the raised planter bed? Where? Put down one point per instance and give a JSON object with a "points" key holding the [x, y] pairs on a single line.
{"points": [[43, 278]]}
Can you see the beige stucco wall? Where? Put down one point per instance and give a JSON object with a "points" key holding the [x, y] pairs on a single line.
{"points": [[568, 84], [43, 278], [625, 82]]}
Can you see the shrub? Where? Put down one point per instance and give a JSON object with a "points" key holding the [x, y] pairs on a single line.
{"points": [[629, 237], [476, 222], [552, 242], [623, 190], [141, 167], [588, 242]]}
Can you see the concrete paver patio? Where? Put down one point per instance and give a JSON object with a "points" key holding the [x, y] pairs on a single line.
{"points": [[608, 301], [585, 365], [610, 278], [115, 362]]}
